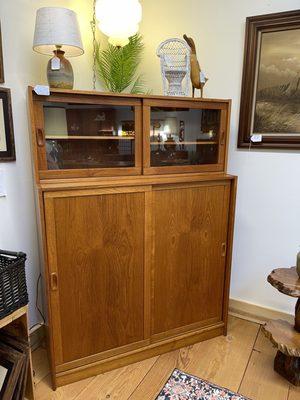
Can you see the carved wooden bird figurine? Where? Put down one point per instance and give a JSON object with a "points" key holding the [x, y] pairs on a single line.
{"points": [[198, 78]]}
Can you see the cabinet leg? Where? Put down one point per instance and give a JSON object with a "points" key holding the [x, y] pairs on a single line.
{"points": [[297, 316], [288, 367]]}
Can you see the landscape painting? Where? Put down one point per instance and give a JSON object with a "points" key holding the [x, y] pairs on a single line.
{"points": [[277, 98], [270, 92]]}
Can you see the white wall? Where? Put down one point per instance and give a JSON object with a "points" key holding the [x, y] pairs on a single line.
{"points": [[23, 67], [267, 230]]}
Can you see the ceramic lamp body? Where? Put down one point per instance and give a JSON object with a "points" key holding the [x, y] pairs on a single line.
{"points": [[60, 73]]}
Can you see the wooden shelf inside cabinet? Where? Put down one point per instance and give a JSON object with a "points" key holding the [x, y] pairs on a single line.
{"points": [[186, 143], [17, 323], [64, 137]]}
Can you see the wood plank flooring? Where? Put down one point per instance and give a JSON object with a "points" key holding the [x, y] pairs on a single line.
{"points": [[242, 361]]}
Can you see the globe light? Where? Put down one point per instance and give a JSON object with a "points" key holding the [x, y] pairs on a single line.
{"points": [[119, 19]]}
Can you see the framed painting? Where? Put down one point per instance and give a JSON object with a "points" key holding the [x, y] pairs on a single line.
{"points": [[11, 363], [1, 60], [21, 345], [270, 96], [7, 144]]}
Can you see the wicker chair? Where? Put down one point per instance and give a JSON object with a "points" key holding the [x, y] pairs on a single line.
{"points": [[174, 57]]}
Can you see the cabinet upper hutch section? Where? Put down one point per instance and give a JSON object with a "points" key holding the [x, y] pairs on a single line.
{"points": [[184, 135], [82, 134]]}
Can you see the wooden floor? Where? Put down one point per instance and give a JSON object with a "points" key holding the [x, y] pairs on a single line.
{"points": [[242, 362]]}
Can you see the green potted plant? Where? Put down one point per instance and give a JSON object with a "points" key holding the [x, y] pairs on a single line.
{"points": [[117, 66]]}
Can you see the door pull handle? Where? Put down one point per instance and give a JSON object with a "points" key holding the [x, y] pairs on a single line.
{"points": [[40, 137], [222, 138], [224, 249], [54, 281]]}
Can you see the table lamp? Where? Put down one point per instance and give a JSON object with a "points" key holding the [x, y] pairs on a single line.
{"points": [[57, 31]]}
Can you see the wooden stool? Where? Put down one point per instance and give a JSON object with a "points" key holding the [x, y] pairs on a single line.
{"points": [[282, 334]]}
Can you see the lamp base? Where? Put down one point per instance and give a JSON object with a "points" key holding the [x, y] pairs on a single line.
{"points": [[60, 72]]}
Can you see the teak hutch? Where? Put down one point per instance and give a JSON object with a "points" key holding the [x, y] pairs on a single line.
{"points": [[136, 213]]}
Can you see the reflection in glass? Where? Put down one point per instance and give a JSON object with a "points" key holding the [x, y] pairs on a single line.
{"points": [[182, 136], [89, 136]]}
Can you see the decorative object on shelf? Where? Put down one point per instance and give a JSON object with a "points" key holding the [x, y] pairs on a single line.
{"points": [[1, 60], [181, 134], [206, 136], [270, 101], [53, 154], [181, 131], [198, 77], [282, 334], [117, 66], [119, 19], [7, 143], [174, 57], [185, 386], [57, 31], [298, 264]]}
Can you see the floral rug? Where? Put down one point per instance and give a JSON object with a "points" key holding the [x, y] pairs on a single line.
{"points": [[181, 386]]}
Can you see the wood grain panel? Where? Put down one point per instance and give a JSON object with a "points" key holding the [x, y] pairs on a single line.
{"points": [[68, 392], [294, 393], [118, 384], [99, 244], [190, 225], [261, 382]]}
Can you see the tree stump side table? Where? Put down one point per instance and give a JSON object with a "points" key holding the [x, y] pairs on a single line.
{"points": [[282, 334]]}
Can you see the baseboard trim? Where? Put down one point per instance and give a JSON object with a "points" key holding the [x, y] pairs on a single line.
{"points": [[151, 350], [254, 313], [37, 336]]}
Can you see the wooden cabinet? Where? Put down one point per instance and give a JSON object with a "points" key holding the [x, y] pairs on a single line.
{"points": [[137, 257]]}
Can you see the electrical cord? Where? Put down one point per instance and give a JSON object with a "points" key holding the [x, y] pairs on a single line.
{"points": [[37, 303]]}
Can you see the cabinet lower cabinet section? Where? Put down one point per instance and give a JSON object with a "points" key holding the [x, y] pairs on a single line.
{"points": [[134, 271]]}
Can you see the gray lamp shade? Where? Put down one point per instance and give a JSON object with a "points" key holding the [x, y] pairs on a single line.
{"points": [[56, 26]]}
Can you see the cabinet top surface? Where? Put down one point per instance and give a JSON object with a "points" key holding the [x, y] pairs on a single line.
{"points": [[127, 95]]}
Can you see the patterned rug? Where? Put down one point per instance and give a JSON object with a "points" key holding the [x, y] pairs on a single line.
{"points": [[181, 386]]}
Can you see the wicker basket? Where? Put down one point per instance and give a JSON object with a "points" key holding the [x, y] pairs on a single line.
{"points": [[13, 289]]}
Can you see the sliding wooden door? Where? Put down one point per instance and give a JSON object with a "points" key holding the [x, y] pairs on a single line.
{"points": [[95, 242], [190, 240]]}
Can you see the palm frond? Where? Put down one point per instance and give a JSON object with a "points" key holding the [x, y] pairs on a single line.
{"points": [[117, 67], [138, 86]]}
